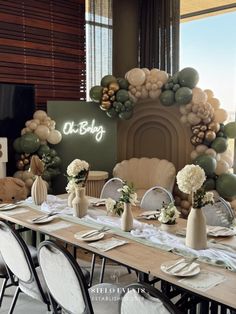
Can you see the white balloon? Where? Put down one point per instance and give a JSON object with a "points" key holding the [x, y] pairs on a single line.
{"points": [[194, 154], [136, 77], [54, 137]]}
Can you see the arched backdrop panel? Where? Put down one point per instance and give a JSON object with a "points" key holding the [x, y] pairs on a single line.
{"points": [[155, 131]]}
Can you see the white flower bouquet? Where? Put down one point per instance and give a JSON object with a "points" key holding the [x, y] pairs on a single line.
{"points": [[190, 181], [77, 174], [113, 207], [128, 194], [169, 214]]}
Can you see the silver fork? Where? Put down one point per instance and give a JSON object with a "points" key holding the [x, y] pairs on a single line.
{"points": [[45, 216], [95, 232]]}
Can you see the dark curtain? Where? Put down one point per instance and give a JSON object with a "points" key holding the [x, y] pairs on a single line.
{"points": [[159, 34]]}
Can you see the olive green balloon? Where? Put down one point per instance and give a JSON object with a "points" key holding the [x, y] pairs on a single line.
{"points": [[167, 98], [95, 93], [226, 185], [46, 176], [219, 144], [53, 152], [122, 95], [207, 163], [30, 143], [111, 113], [183, 95], [56, 161], [53, 172], [230, 130], [126, 115], [17, 145], [209, 184], [123, 83], [43, 150], [129, 105], [188, 77], [107, 79]]}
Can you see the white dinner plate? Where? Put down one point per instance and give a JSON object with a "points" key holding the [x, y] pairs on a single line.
{"points": [[189, 271], [43, 221], [96, 237], [8, 207]]}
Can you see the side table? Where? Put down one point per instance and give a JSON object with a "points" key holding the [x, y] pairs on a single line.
{"points": [[96, 180]]}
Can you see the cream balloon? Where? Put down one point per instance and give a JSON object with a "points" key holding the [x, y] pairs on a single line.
{"points": [[40, 114], [228, 159], [193, 119], [42, 131], [27, 175], [27, 123], [233, 204], [194, 154], [198, 96], [144, 93], [221, 167], [182, 109], [162, 76], [136, 77], [209, 93], [154, 94], [184, 119], [33, 125], [29, 182], [54, 137], [146, 71], [211, 152], [154, 73], [214, 102], [220, 115], [201, 149]]}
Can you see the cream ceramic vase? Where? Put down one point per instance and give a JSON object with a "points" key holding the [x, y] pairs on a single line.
{"points": [[169, 228], [127, 218], [39, 191], [196, 234], [80, 203], [70, 198]]}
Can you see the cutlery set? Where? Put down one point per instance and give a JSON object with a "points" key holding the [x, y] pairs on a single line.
{"points": [[44, 216], [186, 263], [92, 233]]}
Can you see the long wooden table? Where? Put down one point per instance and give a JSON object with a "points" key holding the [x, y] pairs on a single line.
{"points": [[137, 256]]}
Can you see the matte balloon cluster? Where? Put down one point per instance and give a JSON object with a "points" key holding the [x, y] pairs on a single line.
{"points": [[113, 97], [36, 137]]}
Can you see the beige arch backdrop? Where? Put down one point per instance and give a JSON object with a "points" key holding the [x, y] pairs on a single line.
{"points": [[155, 131]]}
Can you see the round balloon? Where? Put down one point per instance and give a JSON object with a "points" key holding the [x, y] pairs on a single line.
{"points": [[42, 131], [30, 143], [95, 93], [226, 185], [43, 150], [111, 113], [123, 83], [221, 167], [40, 115], [136, 77], [183, 95], [207, 163], [17, 145], [209, 184], [122, 95], [108, 79], [167, 98], [188, 77], [126, 115], [54, 137], [220, 144], [56, 161], [230, 130], [220, 115]]}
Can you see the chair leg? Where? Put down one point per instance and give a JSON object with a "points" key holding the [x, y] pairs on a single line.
{"points": [[92, 269], [14, 300], [3, 288], [53, 304], [102, 270]]}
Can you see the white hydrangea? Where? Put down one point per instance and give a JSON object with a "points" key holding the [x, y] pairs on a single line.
{"points": [[190, 178], [70, 186], [110, 204], [169, 214], [208, 198], [133, 199], [76, 166]]}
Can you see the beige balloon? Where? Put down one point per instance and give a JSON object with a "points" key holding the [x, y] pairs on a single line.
{"points": [[27, 175], [198, 96], [201, 148], [193, 119], [220, 115], [33, 125], [221, 167], [136, 77], [211, 152], [214, 102], [154, 94], [42, 131], [40, 114], [18, 174], [209, 93], [162, 76], [184, 119], [146, 71], [29, 182], [228, 159], [54, 137], [194, 154]]}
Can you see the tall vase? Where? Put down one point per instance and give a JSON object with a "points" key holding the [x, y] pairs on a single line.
{"points": [[80, 203], [127, 218], [39, 191], [70, 198], [196, 235]]}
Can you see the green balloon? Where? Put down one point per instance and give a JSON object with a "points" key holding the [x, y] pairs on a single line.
{"points": [[108, 79], [122, 95], [53, 172], [230, 130], [183, 95], [129, 105], [209, 184], [123, 83], [17, 145], [30, 143], [117, 105], [43, 150], [111, 113], [175, 78], [126, 115], [53, 152], [56, 161], [219, 144], [207, 163], [188, 77], [95, 93], [167, 98], [226, 185], [46, 176]]}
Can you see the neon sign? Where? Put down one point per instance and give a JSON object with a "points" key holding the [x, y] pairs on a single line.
{"points": [[84, 127]]}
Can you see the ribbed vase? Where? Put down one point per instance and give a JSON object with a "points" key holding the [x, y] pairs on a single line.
{"points": [[39, 191]]}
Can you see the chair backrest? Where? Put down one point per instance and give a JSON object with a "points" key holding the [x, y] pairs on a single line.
{"points": [[219, 214], [146, 172], [16, 256], [110, 189], [155, 197], [142, 298], [64, 278]]}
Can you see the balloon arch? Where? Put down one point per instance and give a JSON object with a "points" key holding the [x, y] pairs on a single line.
{"points": [[200, 110]]}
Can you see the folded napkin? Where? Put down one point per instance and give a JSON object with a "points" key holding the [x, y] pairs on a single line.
{"points": [[180, 268], [150, 214], [218, 231], [106, 245], [97, 201]]}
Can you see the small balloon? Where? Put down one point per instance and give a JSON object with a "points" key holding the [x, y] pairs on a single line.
{"points": [[40, 115], [210, 136], [54, 137], [230, 130], [95, 93], [114, 87], [167, 98], [108, 79]]}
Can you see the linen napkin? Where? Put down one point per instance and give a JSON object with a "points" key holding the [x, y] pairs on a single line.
{"points": [[180, 268], [106, 245]]}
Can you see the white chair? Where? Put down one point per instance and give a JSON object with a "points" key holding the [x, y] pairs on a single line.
{"points": [[142, 298], [219, 214], [17, 258], [145, 173], [110, 189], [69, 289], [154, 198]]}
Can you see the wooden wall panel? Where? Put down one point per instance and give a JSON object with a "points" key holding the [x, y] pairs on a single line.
{"points": [[42, 42]]}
